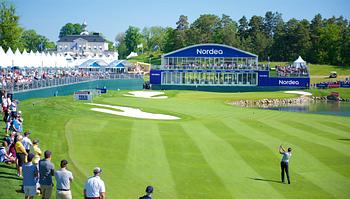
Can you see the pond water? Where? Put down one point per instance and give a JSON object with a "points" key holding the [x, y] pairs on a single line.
{"points": [[328, 108]]}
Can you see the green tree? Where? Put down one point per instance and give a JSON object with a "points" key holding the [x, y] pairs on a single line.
{"points": [[180, 33], [182, 23], [154, 37], [243, 28], [70, 29], [330, 43], [271, 22], [121, 46], [10, 32], [279, 43], [315, 31], [111, 46], [259, 40], [33, 41], [169, 40], [206, 25], [345, 47], [227, 32], [132, 38]]}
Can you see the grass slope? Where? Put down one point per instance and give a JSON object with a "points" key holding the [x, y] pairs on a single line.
{"points": [[215, 151]]}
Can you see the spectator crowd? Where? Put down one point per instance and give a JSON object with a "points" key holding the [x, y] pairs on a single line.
{"points": [[16, 76], [292, 71], [35, 167]]}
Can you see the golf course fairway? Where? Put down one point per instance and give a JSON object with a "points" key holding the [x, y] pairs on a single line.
{"points": [[215, 150]]}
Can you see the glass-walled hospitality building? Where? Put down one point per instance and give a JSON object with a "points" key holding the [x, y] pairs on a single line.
{"points": [[217, 67], [209, 78], [207, 65]]}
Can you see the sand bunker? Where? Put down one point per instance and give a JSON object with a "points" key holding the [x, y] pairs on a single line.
{"points": [[131, 112], [299, 92], [146, 94]]}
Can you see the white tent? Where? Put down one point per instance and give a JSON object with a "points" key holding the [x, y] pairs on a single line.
{"points": [[17, 58], [9, 58], [3, 57], [132, 54], [41, 59], [299, 63]]}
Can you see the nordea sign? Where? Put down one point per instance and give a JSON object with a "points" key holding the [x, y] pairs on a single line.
{"points": [[210, 52]]}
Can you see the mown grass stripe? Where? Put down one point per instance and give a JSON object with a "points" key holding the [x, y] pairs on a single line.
{"points": [[147, 162], [323, 154], [193, 177], [315, 129], [304, 163], [332, 126], [255, 153], [340, 147], [227, 163]]}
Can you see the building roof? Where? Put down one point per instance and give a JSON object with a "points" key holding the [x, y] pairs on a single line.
{"points": [[89, 38], [210, 50]]}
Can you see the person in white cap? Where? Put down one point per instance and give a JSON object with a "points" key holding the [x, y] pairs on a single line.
{"points": [[94, 186]]}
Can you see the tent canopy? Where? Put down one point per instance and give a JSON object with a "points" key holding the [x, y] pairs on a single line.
{"points": [[93, 63], [299, 63], [300, 60], [118, 64]]}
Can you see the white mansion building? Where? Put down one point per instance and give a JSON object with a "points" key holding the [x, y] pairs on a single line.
{"points": [[85, 45]]}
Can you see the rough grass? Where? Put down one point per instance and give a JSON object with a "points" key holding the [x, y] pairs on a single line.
{"points": [[215, 151]]}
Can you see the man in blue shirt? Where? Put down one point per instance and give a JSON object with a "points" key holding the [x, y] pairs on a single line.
{"points": [[16, 125], [30, 173]]}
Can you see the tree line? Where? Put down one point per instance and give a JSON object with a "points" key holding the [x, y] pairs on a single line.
{"points": [[321, 40]]}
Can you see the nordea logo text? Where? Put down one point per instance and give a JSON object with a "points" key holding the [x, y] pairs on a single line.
{"points": [[288, 82], [209, 52]]}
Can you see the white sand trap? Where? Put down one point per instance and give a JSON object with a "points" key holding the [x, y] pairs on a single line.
{"points": [[131, 112], [146, 94], [299, 92]]}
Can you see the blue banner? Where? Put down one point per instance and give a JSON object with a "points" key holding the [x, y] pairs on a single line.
{"points": [[322, 85], [210, 50], [265, 80], [155, 77], [345, 84]]}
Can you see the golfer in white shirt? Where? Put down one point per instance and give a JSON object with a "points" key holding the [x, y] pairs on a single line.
{"points": [[285, 162]]}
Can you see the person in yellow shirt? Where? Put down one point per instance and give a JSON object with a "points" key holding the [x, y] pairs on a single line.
{"points": [[37, 152], [21, 154]]}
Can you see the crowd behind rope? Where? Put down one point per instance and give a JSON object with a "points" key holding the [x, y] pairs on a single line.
{"points": [[24, 76], [292, 71], [30, 78], [35, 167]]}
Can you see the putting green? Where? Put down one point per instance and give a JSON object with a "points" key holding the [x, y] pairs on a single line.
{"points": [[214, 151]]}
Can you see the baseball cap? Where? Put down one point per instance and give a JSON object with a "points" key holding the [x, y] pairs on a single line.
{"points": [[97, 170], [27, 133], [149, 189]]}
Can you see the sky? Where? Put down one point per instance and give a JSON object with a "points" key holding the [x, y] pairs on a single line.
{"points": [[111, 17]]}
